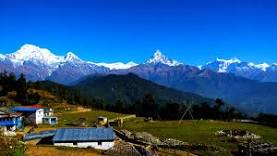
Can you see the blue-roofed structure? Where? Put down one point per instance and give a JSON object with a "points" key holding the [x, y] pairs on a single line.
{"points": [[39, 135], [37, 114], [99, 138], [24, 109], [11, 121]]}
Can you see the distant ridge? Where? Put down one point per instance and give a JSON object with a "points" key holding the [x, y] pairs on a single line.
{"points": [[128, 88]]}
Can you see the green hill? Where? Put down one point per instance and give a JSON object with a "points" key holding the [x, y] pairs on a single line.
{"points": [[131, 88]]}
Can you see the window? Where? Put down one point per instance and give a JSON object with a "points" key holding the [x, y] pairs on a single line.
{"points": [[99, 143], [75, 143]]}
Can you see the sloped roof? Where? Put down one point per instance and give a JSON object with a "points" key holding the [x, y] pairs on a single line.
{"points": [[10, 115], [31, 108], [24, 109], [39, 135], [84, 134]]}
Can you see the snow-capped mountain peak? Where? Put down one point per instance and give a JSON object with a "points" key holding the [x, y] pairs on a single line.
{"points": [[29, 52], [2, 57], [158, 57], [117, 65], [262, 66], [222, 65], [70, 56], [228, 61]]}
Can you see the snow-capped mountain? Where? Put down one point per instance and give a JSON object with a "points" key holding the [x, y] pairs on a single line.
{"points": [[226, 65], [34, 54], [262, 72], [221, 65], [117, 65], [71, 57], [41, 64], [158, 57]]}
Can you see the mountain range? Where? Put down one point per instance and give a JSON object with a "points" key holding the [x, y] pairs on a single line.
{"points": [[244, 84], [41, 64]]}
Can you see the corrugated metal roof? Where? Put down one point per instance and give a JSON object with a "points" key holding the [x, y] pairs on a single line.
{"points": [[84, 134], [42, 134], [10, 115], [7, 123], [30, 108], [25, 109]]}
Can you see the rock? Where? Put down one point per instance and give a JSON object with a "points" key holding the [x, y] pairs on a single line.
{"points": [[141, 136], [237, 134], [147, 137], [173, 142], [257, 149], [127, 134]]}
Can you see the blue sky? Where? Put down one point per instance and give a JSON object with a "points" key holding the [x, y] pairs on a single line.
{"points": [[191, 31]]}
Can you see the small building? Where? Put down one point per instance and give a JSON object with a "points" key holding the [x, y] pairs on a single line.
{"points": [[33, 113], [10, 121], [36, 114], [98, 138], [102, 121]]}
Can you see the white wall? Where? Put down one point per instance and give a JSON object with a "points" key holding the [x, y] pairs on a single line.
{"points": [[103, 146], [39, 116]]}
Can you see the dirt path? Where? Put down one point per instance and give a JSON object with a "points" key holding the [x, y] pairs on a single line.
{"points": [[53, 151], [81, 110]]}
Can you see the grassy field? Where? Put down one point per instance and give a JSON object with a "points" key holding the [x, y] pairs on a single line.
{"points": [[90, 116], [194, 132], [200, 132]]}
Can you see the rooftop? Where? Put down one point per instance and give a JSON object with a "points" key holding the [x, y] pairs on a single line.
{"points": [[31, 108], [39, 135], [9, 115], [84, 134]]}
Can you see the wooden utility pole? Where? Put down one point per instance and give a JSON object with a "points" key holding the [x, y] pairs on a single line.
{"points": [[188, 110]]}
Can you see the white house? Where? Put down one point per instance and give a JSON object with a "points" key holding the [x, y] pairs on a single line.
{"points": [[37, 114], [98, 138]]}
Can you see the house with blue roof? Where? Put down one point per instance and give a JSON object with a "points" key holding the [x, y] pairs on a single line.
{"points": [[10, 121], [36, 114], [98, 138]]}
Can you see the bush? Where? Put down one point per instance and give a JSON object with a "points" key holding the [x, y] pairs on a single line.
{"points": [[10, 146]]}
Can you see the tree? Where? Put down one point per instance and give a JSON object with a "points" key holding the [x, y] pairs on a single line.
{"points": [[149, 106], [171, 111], [21, 90], [217, 112], [119, 106], [33, 98]]}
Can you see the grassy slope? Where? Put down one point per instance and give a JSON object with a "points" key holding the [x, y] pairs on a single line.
{"points": [[90, 116], [200, 131], [189, 131], [66, 113]]}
